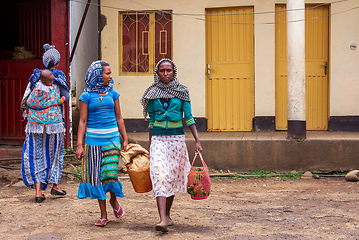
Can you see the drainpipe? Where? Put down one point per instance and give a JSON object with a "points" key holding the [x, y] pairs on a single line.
{"points": [[296, 70]]}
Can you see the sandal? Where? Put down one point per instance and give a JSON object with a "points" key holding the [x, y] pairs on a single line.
{"points": [[115, 212], [161, 227], [169, 222], [102, 223]]}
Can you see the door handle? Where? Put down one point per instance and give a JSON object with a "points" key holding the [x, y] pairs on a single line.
{"points": [[209, 70], [325, 68]]}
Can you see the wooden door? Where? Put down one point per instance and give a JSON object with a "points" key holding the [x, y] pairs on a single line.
{"points": [[230, 69], [316, 64]]}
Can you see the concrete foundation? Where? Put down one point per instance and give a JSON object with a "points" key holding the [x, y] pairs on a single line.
{"points": [[261, 151]]}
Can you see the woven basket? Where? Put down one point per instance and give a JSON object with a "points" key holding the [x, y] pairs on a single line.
{"points": [[140, 180]]}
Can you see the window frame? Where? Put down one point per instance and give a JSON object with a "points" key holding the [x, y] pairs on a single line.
{"points": [[151, 42]]}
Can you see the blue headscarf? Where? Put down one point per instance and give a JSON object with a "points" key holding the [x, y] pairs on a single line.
{"points": [[94, 79], [59, 78]]}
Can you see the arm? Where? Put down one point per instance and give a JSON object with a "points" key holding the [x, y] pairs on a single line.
{"points": [[121, 124], [64, 93], [193, 129], [82, 129], [151, 114], [187, 110]]}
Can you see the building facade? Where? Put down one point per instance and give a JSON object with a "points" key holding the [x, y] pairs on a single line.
{"points": [[231, 54]]}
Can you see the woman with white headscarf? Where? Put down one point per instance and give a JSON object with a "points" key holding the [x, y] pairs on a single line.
{"points": [[102, 123], [43, 150]]}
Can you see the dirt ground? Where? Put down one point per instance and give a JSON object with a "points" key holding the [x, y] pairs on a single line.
{"points": [[255, 208]]}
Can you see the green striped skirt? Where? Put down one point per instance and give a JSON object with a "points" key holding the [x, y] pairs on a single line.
{"points": [[100, 172]]}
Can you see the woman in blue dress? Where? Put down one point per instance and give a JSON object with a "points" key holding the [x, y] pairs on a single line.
{"points": [[101, 121]]}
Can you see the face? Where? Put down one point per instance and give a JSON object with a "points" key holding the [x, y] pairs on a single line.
{"points": [[47, 82], [165, 72], [106, 74]]}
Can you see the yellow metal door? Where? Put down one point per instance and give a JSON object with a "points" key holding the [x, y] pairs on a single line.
{"points": [[316, 64], [230, 69]]}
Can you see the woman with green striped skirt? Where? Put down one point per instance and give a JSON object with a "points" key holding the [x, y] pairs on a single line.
{"points": [[101, 120]]}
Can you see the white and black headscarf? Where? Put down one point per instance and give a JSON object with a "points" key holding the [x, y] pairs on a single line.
{"points": [[51, 55], [159, 89]]}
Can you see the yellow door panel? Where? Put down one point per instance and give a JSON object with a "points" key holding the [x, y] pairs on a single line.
{"points": [[230, 69], [316, 63]]}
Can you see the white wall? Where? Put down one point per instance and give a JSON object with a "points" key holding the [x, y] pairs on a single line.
{"points": [[87, 46], [189, 54]]}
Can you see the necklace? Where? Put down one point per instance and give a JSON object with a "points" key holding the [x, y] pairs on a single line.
{"points": [[101, 98]]}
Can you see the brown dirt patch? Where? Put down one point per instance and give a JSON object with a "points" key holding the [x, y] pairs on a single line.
{"points": [[272, 208]]}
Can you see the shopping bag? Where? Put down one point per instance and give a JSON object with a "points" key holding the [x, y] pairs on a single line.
{"points": [[199, 182]]}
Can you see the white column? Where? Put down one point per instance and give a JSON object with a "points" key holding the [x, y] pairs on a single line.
{"points": [[296, 69]]}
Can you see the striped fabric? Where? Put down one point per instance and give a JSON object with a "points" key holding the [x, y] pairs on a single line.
{"points": [[91, 165], [109, 164], [100, 165], [42, 159], [102, 132]]}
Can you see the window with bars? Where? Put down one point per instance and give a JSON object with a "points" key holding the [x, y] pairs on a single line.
{"points": [[145, 38]]}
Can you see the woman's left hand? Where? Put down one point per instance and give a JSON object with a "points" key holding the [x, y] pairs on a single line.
{"points": [[124, 145]]}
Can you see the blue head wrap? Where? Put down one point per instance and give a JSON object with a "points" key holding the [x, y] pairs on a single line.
{"points": [[94, 79]]}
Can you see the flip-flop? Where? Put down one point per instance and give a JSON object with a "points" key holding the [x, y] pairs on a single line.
{"points": [[169, 222], [103, 222], [161, 227], [115, 212]]}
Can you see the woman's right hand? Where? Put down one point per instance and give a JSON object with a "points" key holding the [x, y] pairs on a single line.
{"points": [[79, 152]]}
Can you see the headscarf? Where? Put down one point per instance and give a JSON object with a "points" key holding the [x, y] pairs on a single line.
{"points": [[50, 55], [159, 89], [94, 79]]}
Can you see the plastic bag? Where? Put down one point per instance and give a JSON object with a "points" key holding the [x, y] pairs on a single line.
{"points": [[199, 182]]}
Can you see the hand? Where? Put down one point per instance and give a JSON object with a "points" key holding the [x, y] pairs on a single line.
{"points": [[124, 145], [79, 152], [198, 147]]}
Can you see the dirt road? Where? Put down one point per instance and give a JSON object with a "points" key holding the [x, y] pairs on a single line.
{"points": [[272, 208]]}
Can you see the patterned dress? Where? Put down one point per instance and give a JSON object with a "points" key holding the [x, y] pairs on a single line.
{"points": [[169, 165], [43, 150]]}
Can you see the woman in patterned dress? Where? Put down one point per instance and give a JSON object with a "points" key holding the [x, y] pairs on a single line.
{"points": [[101, 120], [43, 150], [166, 101]]}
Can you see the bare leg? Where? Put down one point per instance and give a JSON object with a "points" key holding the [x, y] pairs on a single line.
{"points": [[102, 204], [38, 190], [169, 202], [161, 206], [103, 219], [115, 205]]}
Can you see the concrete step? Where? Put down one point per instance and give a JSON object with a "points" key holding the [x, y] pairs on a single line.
{"points": [[271, 151]]}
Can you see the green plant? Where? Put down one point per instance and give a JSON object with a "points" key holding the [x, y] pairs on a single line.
{"points": [[77, 171], [262, 174]]}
